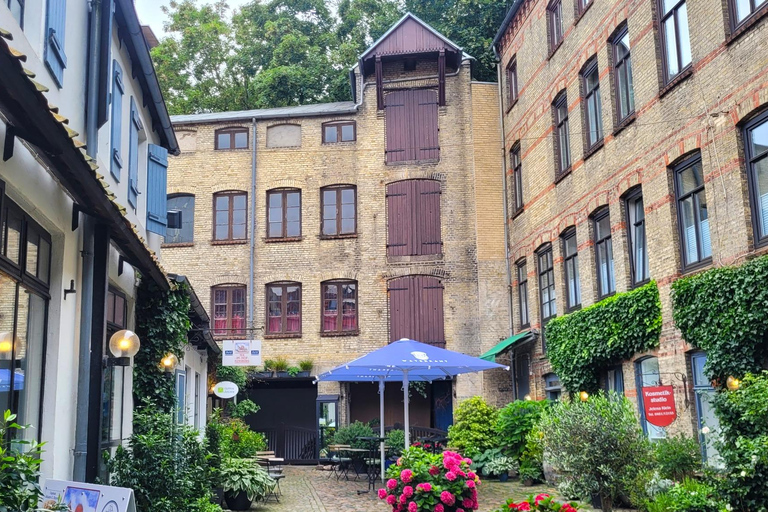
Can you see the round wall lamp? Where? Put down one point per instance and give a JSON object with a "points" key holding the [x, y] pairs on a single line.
{"points": [[123, 345], [583, 396], [6, 342], [169, 362], [733, 383]]}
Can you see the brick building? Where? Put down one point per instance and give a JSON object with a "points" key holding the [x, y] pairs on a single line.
{"points": [[328, 230], [623, 119]]}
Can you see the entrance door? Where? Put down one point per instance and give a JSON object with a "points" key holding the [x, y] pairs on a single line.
{"points": [[327, 421], [442, 404], [709, 425]]}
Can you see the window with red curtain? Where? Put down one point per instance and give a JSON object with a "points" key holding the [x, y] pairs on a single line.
{"points": [[228, 310], [339, 306], [284, 308]]}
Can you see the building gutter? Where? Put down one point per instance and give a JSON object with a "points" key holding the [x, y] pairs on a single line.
{"points": [[252, 269], [504, 24], [504, 202]]}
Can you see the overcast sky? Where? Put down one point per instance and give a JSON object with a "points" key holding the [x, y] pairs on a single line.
{"points": [[150, 13]]}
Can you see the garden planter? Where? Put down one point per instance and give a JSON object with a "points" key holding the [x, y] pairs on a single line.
{"points": [[303, 374], [282, 375], [262, 375], [217, 497], [238, 501], [503, 477], [528, 482]]}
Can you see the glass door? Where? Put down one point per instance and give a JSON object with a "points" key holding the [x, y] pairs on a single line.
{"points": [[327, 422], [709, 425]]}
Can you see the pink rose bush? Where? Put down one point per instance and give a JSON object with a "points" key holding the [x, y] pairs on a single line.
{"points": [[540, 502], [427, 482]]}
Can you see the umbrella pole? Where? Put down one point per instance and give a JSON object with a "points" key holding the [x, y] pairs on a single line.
{"points": [[406, 418], [381, 424]]}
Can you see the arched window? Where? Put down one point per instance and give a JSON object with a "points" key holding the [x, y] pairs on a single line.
{"points": [[284, 308], [228, 305], [339, 306], [185, 204], [230, 210], [232, 138]]}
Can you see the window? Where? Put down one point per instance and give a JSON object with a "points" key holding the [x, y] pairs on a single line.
{"points": [[339, 307], [675, 39], [116, 310], [606, 282], [411, 126], [692, 213], [546, 283], [647, 371], [232, 138], [184, 203], [517, 176], [614, 380], [116, 120], [582, 5], [339, 131], [562, 137], [181, 396], [228, 310], [17, 11], [756, 152], [571, 263], [512, 82], [338, 204], [705, 411], [24, 277], [416, 309], [522, 367], [284, 309], [229, 212], [593, 110], [638, 245], [55, 26], [522, 293], [552, 387], [413, 218], [740, 10], [284, 213], [555, 24], [622, 75]]}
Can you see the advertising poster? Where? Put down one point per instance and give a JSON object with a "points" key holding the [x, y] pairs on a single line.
{"points": [[241, 353], [81, 497]]}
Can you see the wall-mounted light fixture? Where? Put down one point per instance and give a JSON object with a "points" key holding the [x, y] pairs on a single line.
{"points": [[123, 345], [168, 362]]}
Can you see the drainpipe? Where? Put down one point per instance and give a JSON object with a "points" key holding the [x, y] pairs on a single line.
{"points": [[87, 244], [251, 271]]}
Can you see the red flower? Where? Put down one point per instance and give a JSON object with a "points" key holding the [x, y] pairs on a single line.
{"points": [[513, 505], [567, 508], [541, 497], [434, 471], [524, 506]]}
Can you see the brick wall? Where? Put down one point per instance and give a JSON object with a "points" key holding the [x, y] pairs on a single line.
{"points": [[727, 83]]}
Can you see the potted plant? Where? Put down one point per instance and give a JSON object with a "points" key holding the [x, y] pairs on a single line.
{"points": [[280, 365], [500, 466], [20, 468], [529, 474], [293, 371], [264, 373], [243, 481], [269, 367], [306, 366]]}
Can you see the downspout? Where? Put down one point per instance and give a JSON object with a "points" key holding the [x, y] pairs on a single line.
{"points": [[87, 241], [251, 271]]}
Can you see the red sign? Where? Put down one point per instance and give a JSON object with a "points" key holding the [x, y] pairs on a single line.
{"points": [[659, 405]]}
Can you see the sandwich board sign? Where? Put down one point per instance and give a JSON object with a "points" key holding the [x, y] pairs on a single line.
{"points": [[82, 497], [241, 353]]}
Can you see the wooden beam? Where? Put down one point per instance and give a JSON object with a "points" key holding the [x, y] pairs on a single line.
{"points": [[441, 78], [379, 84]]}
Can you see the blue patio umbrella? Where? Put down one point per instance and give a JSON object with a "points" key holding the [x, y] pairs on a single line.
{"points": [[403, 361]]}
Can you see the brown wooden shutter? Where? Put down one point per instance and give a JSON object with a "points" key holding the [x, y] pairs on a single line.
{"points": [[397, 126], [425, 129], [399, 227], [429, 238], [430, 311], [400, 309], [412, 126], [416, 309]]}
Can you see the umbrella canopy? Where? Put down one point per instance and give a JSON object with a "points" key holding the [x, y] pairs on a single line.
{"points": [[5, 380]]}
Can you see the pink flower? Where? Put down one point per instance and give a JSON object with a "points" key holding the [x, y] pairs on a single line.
{"points": [[413, 507], [567, 508], [451, 476], [426, 487], [540, 497], [467, 503], [471, 484], [406, 476], [400, 461], [459, 510], [524, 506], [439, 508], [391, 484], [403, 499], [471, 475], [391, 500], [407, 491], [468, 461], [382, 494], [447, 498], [434, 470]]}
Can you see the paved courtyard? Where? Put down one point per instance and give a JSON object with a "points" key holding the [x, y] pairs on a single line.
{"points": [[307, 489]]}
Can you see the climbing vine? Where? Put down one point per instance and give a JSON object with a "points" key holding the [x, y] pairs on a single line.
{"points": [[162, 324], [724, 311], [583, 344]]}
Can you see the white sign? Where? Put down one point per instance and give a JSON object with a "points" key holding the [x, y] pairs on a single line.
{"points": [[225, 389], [81, 497], [241, 353]]}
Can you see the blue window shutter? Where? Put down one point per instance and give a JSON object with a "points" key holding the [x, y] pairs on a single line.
{"points": [[134, 125], [55, 23], [116, 162], [157, 199]]}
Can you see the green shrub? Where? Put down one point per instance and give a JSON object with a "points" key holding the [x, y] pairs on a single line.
{"points": [[396, 441], [687, 496], [598, 443], [164, 464], [242, 408], [238, 441], [474, 427], [516, 420], [280, 364], [233, 374], [348, 435], [19, 469], [532, 458], [677, 457], [245, 475], [293, 371], [581, 345], [214, 429], [306, 365], [205, 505]]}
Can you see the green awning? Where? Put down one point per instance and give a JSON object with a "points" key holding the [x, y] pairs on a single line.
{"points": [[507, 344]]}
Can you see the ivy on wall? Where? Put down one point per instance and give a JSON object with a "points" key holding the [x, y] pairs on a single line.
{"points": [[162, 324], [585, 343], [724, 311]]}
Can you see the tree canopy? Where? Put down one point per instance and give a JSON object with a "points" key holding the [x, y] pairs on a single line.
{"points": [[273, 53]]}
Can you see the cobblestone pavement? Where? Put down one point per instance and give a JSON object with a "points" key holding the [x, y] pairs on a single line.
{"points": [[306, 489]]}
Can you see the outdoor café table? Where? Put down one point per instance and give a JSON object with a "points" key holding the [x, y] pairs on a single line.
{"points": [[357, 455], [372, 463]]}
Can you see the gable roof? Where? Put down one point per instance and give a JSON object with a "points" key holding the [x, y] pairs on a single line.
{"points": [[427, 39]]}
